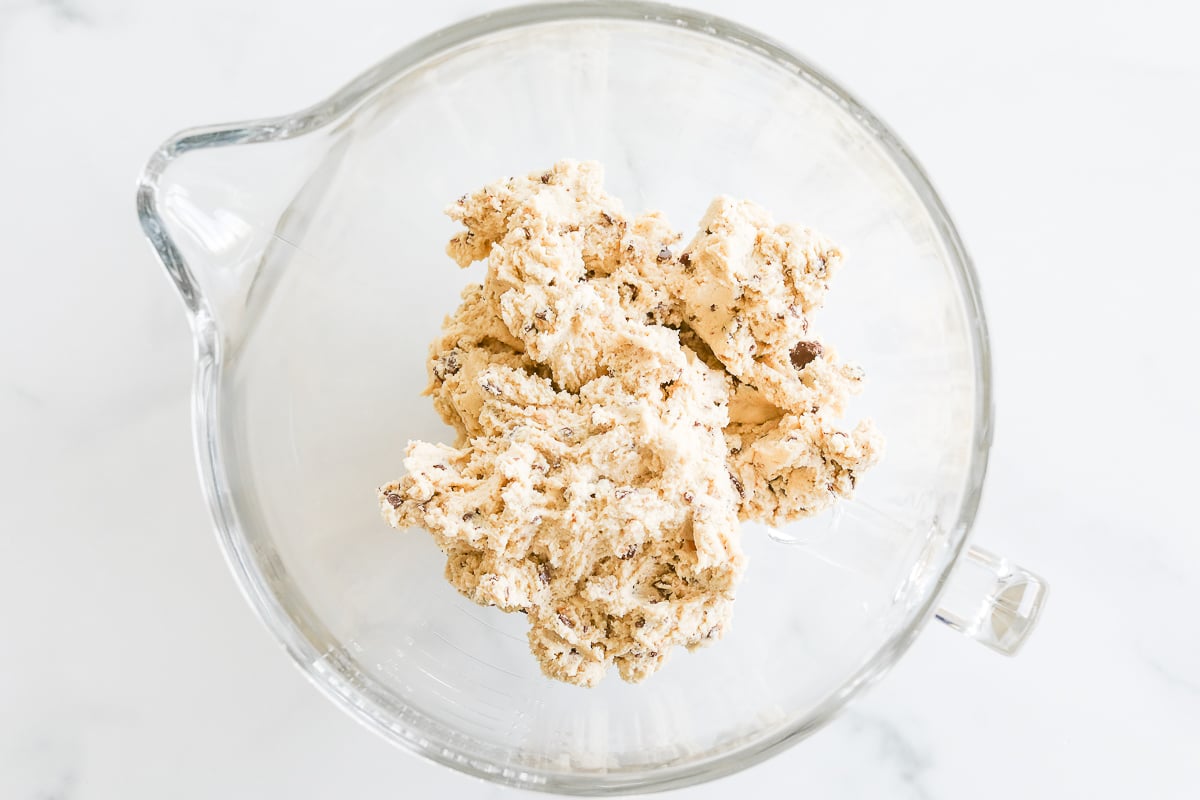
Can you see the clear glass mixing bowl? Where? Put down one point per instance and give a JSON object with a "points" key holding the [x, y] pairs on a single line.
{"points": [[309, 253]]}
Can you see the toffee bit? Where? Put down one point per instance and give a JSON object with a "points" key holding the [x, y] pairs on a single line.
{"points": [[804, 353]]}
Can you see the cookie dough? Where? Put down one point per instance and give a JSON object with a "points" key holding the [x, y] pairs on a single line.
{"points": [[621, 402]]}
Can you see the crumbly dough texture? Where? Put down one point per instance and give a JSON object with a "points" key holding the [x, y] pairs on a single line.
{"points": [[621, 402]]}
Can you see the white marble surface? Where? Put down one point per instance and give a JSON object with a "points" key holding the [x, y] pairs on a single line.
{"points": [[1063, 137]]}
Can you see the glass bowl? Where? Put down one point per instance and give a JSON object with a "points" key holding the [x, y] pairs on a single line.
{"points": [[308, 250]]}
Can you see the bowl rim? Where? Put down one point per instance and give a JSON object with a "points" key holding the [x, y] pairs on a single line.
{"points": [[316, 664]]}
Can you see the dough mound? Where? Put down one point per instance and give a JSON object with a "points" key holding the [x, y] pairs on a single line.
{"points": [[621, 402]]}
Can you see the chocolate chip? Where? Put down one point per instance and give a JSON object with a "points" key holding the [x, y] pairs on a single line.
{"points": [[544, 573], [708, 231], [546, 177], [439, 466], [685, 259], [566, 433], [654, 654], [629, 553], [394, 499], [448, 364], [741, 490], [621, 494], [713, 307], [641, 623], [565, 620], [528, 234], [490, 388], [607, 218], [804, 353], [664, 255], [688, 497]]}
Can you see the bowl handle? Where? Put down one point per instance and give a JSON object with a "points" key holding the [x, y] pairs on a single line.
{"points": [[992, 600]]}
